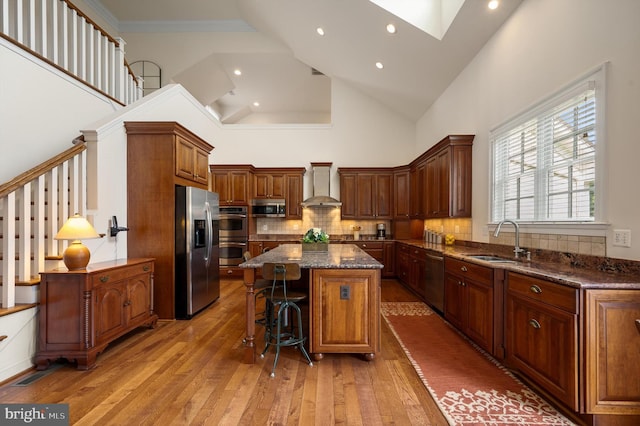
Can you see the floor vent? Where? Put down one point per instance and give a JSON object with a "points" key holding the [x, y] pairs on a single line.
{"points": [[37, 375]]}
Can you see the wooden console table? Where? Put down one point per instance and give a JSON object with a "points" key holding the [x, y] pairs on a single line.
{"points": [[81, 312]]}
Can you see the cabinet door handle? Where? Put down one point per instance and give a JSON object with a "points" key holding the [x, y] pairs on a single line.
{"points": [[535, 289], [463, 269], [638, 324], [127, 303], [534, 323], [104, 278], [146, 268]]}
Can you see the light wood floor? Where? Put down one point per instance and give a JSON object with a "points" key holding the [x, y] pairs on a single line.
{"points": [[189, 372]]}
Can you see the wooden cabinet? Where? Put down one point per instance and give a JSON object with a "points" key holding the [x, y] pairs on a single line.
{"points": [[151, 182], [232, 183], [368, 193], [81, 312], [256, 248], [402, 263], [411, 267], [417, 177], [542, 334], [613, 352], [269, 185], [448, 178], [345, 311], [294, 194], [192, 162], [401, 193], [469, 301], [382, 251], [283, 182]]}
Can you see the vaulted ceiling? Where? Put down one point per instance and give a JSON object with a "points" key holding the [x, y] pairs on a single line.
{"points": [[416, 66]]}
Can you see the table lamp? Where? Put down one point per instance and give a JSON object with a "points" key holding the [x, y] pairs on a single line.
{"points": [[76, 256]]}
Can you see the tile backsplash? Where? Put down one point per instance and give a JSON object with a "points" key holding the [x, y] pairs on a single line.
{"points": [[326, 218], [329, 220]]}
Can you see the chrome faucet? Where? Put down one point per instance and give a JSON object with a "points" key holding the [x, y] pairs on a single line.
{"points": [[517, 250]]}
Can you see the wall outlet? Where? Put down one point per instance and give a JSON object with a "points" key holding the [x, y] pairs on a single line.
{"points": [[295, 226], [265, 227], [345, 292], [622, 237], [457, 229]]}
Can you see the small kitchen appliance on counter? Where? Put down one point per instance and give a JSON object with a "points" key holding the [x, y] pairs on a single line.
{"points": [[382, 231]]}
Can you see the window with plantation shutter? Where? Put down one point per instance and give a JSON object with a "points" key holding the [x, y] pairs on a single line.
{"points": [[546, 159]]}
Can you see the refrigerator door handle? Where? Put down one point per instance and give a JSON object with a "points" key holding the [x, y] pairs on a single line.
{"points": [[209, 228]]}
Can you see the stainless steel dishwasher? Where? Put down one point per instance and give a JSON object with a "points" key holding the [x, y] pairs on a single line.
{"points": [[434, 290]]}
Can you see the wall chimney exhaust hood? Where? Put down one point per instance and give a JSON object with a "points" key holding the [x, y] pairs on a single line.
{"points": [[321, 179]]}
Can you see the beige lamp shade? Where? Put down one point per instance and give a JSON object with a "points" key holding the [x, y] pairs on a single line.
{"points": [[76, 256]]}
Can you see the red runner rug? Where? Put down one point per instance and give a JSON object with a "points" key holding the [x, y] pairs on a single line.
{"points": [[469, 386]]}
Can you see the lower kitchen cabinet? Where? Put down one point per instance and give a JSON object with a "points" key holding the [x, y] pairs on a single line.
{"points": [[81, 312], [542, 334], [613, 352], [382, 251], [411, 267], [469, 301], [581, 346]]}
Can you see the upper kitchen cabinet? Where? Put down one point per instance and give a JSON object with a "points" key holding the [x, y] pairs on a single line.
{"points": [[294, 193], [269, 184], [401, 193], [192, 161], [366, 193], [417, 183], [448, 178], [232, 183], [283, 183]]}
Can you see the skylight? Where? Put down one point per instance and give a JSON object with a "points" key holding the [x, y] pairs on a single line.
{"points": [[431, 16]]}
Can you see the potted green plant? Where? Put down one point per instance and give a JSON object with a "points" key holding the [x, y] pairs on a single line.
{"points": [[315, 239]]}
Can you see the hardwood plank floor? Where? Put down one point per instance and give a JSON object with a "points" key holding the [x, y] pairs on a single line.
{"points": [[190, 372]]}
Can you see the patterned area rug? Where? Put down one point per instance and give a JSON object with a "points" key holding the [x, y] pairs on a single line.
{"points": [[469, 386]]}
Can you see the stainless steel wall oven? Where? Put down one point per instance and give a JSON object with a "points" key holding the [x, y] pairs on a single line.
{"points": [[234, 234]]}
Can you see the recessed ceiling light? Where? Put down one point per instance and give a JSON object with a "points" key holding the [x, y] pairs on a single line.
{"points": [[379, 65], [493, 4], [237, 72], [391, 29], [256, 104], [320, 31]]}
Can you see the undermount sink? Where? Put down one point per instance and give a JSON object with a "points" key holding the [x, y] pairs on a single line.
{"points": [[491, 258]]}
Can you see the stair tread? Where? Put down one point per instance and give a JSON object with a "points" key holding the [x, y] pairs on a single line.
{"points": [[27, 283], [19, 307]]}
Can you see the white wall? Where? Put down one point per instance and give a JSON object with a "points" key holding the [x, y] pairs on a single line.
{"points": [[364, 133], [41, 111], [545, 45]]}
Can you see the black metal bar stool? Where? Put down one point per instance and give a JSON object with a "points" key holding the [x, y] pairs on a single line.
{"points": [[283, 316]]}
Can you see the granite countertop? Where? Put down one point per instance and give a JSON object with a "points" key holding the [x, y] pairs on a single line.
{"points": [[338, 256], [586, 272]]}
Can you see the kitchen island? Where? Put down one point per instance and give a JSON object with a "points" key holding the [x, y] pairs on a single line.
{"points": [[344, 298]]}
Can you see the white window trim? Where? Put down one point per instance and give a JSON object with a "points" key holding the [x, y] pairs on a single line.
{"points": [[600, 224]]}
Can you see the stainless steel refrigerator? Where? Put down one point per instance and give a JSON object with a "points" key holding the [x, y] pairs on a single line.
{"points": [[197, 250]]}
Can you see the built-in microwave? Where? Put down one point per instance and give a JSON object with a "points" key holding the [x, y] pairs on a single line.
{"points": [[268, 207]]}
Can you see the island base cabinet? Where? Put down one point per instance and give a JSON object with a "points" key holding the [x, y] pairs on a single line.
{"points": [[345, 316], [613, 352]]}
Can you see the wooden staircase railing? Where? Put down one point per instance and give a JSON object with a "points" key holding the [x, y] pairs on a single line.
{"points": [[34, 205], [57, 32]]}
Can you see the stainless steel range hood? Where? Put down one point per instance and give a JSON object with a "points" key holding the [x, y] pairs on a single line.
{"points": [[321, 180]]}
